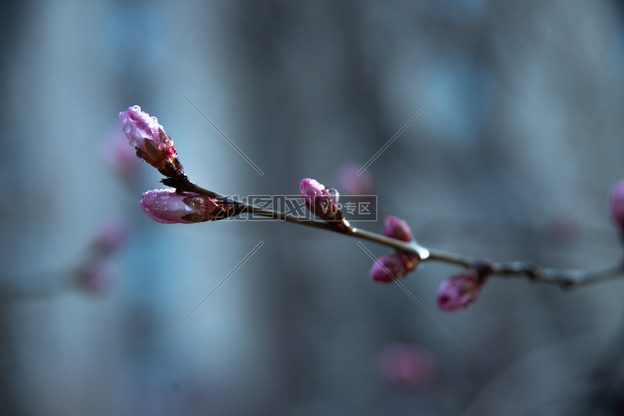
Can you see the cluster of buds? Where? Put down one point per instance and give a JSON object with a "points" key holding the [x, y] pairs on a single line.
{"points": [[454, 293], [168, 206], [188, 203], [321, 201], [396, 265]]}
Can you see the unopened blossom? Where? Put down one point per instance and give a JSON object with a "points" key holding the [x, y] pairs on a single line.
{"points": [[458, 291], [397, 228], [319, 200], [170, 207], [389, 267], [616, 205], [149, 139], [355, 181], [407, 366]]}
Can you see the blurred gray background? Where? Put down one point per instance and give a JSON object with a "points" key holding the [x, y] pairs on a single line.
{"points": [[515, 147]]}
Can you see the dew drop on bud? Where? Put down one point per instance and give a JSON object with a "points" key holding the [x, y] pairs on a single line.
{"points": [[334, 193]]}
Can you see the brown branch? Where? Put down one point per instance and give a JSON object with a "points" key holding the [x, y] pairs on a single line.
{"points": [[562, 277]]}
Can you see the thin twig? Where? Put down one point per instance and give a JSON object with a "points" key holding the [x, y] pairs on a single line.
{"points": [[562, 277]]}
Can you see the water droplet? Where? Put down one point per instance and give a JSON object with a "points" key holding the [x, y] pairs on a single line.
{"points": [[334, 193], [126, 128]]}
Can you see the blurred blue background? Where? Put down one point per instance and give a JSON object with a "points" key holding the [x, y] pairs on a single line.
{"points": [[515, 145]]}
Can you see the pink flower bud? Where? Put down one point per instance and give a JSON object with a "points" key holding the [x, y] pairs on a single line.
{"points": [[149, 139], [388, 268], [319, 200], [353, 181], [397, 228], [458, 291], [407, 366], [616, 205], [170, 207], [112, 234]]}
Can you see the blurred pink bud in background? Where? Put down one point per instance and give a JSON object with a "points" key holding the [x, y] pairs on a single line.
{"points": [[353, 184], [170, 207], [616, 205], [407, 366], [112, 234], [120, 157], [458, 291], [96, 277]]}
